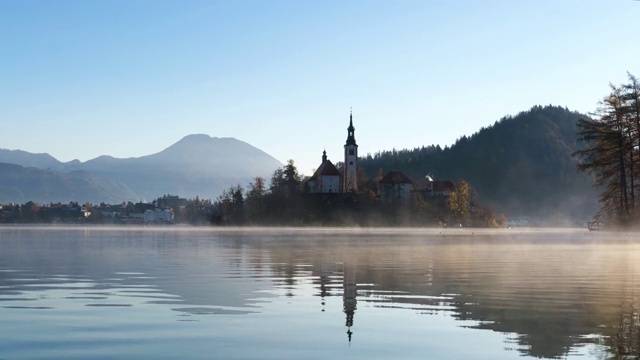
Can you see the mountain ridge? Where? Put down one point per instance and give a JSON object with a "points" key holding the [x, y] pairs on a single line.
{"points": [[196, 165], [20, 184]]}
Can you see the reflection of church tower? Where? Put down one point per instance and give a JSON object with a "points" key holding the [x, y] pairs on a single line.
{"points": [[349, 298], [325, 280], [350, 181]]}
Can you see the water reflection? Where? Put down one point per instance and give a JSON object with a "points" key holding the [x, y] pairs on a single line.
{"points": [[550, 294], [555, 294], [350, 291]]}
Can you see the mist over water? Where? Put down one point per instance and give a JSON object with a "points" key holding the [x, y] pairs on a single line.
{"points": [[258, 293]]}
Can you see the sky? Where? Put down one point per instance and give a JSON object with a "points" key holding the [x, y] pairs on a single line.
{"points": [[80, 79]]}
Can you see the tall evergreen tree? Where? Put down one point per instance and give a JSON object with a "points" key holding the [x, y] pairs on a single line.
{"points": [[255, 197], [611, 153]]}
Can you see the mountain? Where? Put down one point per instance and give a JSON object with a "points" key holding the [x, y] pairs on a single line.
{"points": [[197, 165], [522, 166], [26, 159], [20, 184]]}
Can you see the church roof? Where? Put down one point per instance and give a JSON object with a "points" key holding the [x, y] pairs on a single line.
{"points": [[435, 185], [395, 177], [326, 169], [443, 185]]}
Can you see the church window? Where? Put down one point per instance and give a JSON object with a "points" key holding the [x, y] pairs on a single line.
{"points": [[350, 162], [351, 152]]}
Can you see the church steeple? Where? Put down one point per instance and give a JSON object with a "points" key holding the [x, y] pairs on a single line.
{"points": [[350, 175], [351, 140], [324, 156]]}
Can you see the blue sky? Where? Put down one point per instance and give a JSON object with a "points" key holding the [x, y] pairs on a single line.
{"points": [[79, 79]]}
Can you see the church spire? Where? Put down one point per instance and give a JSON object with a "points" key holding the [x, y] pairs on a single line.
{"points": [[324, 156], [350, 171], [351, 140]]}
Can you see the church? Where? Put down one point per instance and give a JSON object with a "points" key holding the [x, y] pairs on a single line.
{"points": [[328, 179]]}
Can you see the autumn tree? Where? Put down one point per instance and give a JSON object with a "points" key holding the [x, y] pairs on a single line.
{"points": [[459, 203]]}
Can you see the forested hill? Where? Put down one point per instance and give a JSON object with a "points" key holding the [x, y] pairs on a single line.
{"points": [[521, 165]]}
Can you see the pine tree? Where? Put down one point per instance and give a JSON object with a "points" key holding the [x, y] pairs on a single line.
{"points": [[611, 153]]}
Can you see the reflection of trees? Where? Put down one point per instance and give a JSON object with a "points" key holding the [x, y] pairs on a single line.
{"points": [[623, 334], [552, 294], [625, 343]]}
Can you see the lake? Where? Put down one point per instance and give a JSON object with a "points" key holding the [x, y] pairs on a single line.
{"points": [[189, 293]]}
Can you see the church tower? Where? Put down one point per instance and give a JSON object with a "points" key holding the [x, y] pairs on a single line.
{"points": [[350, 180]]}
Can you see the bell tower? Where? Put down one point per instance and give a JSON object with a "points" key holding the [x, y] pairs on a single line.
{"points": [[350, 180]]}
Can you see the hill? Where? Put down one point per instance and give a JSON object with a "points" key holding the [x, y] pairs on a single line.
{"points": [[27, 159], [522, 166], [19, 185], [197, 165]]}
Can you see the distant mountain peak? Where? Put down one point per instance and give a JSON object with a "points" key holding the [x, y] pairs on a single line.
{"points": [[198, 164], [204, 138], [197, 137]]}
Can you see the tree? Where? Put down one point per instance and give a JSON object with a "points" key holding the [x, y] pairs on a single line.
{"points": [[611, 154], [230, 205], [285, 180], [631, 98], [459, 203], [291, 177], [277, 182], [29, 211], [255, 198]]}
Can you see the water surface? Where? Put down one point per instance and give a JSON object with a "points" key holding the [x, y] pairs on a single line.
{"points": [[149, 293]]}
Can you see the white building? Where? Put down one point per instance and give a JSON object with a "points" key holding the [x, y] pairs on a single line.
{"points": [[326, 179], [158, 215]]}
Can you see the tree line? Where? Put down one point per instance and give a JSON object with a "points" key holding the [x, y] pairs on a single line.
{"points": [[287, 200], [193, 211], [611, 140], [521, 165]]}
